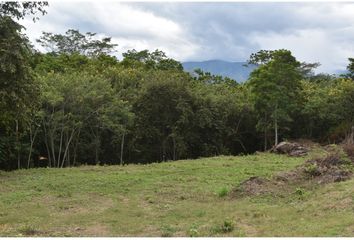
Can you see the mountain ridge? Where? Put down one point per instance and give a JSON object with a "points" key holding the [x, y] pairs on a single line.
{"points": [[235, 70]]}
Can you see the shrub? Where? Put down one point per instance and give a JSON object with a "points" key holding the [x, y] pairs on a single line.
{"points": [[226, 227]]}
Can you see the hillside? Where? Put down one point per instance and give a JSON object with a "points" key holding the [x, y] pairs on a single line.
{"points": [[182, 198], [234, 70]]}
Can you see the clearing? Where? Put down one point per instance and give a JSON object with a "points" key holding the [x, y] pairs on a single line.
{"points": [[181, 198]]}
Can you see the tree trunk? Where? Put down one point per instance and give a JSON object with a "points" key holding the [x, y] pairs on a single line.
{"points": [[47, 145], [276, 131], [174, 148], [18, 146], [60, 145], [164, 150], [75, 146], [67, 147], [276, 126], [32, 139], [95, 133], [52, 147], [122, 150], [265, 139]]}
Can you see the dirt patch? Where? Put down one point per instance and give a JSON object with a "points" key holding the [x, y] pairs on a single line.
{"points": [[97, 230], [340, 205], [313, 172], [254, 186]]}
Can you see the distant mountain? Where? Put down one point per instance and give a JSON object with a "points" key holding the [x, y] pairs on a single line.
{"points": [[234, 70], [341, 72]]}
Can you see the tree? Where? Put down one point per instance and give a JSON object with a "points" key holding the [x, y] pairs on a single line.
{"points": [[350, 68], [163, 111], [18, 89], [19, 10], [154, 60], [74, 42], [275, 86]]}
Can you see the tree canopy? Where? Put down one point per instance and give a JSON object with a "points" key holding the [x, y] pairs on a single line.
{"points": [[76, 103]]}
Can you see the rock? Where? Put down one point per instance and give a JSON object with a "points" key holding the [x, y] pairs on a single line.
{"points": [[298, 153], [292, 149]]}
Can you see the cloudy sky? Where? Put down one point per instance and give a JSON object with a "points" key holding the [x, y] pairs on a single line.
{"points": [[314, 32]]}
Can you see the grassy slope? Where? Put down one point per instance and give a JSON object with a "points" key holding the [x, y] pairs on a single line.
{"points": [[168, 199]]}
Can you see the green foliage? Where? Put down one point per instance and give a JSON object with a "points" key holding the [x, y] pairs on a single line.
{"points": [[223, 192], [167, 231], [90, 196], [275, 86], [19, 10], [226, 227], [28, 230], [350, 68], [76, 104], [300, 191], [74, 42], [154, 60], [312, 170], [193, 232], [18, 89]]}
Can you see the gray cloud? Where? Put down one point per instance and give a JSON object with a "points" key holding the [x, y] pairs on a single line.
{"points": [[314, 32]]}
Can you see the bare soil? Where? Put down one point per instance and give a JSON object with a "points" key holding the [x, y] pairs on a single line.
{"points": [[313, 172]]}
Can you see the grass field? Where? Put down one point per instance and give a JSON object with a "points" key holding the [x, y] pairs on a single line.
{"points": [[182, 198]]}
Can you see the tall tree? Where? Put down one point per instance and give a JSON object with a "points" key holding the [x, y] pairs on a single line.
{"points": [[275, 86], [18, 89], [75, 42]]}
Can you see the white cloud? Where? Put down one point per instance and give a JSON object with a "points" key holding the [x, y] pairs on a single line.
{"points": [[128, 26], [307, 45], [314, 32]]}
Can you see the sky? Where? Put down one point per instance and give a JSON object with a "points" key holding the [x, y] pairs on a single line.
{"points": [[314, 32]]}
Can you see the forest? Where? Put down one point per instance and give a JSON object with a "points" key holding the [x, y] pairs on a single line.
{"points": [[76, 103]]}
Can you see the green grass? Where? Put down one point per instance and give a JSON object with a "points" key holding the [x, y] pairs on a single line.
{"points": [[182, 198]]}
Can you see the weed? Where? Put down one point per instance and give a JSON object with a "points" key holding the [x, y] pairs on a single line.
{"points": [[223, 192], [201, 214], [64, 195], [300, 191], [193, 232], [167, 231], [312, 170], [226, 227], [28, 230], [149, 199]]}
